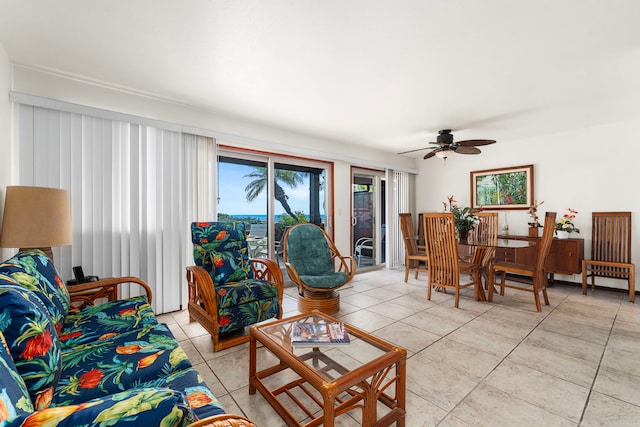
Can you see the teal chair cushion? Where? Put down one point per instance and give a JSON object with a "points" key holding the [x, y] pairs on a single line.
{"points": [[309, 253], [328, 281]]}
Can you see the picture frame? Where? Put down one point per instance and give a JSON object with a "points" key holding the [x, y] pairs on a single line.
{"points": [[503, 188]]}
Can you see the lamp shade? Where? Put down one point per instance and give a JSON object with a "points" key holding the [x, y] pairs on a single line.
{"points": [[36, 217]]}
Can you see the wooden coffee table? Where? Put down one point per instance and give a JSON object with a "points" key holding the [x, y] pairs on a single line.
{"points": [[315, 385]]}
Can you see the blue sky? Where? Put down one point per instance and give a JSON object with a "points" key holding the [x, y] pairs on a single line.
{"points": [[233, 199]]}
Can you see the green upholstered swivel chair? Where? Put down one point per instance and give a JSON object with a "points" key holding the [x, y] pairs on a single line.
{"points": [[316, 267]]}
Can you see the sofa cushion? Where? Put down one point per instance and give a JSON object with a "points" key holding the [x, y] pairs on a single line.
{"points": [[111, 318], [14, 397], [202, 401], [32, 340], [328, 280], [117, 363], [152, 407], [221, 249], [245, 303], [35, 271]]}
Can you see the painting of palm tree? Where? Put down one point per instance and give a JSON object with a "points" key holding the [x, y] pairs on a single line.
{"points": [[284, 177]]}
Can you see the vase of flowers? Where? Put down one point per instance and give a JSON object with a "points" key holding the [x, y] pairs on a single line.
{"points": [[565, 227], [464, 219]]}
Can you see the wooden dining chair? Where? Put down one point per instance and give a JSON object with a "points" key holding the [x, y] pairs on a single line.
{"points": [[445, 267], [414, 259], [485, 231], [610, 250], [535, 272]]}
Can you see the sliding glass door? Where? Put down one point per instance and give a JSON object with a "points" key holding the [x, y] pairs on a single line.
{"points": [[271, 193], [368, 217]]}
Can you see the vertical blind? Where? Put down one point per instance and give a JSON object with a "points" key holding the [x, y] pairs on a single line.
{"points": [[400, 204], [134, 191]]}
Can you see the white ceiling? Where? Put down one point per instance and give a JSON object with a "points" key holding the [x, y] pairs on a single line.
{"points": [[387, 74]]}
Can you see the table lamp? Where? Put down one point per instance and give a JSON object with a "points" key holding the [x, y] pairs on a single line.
{"points": [[36, 218]]}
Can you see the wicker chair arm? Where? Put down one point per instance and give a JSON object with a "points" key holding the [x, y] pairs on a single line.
{"points": [[348, 263], [87, 293], [199, 281]]}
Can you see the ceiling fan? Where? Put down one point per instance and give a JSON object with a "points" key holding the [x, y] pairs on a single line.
{"points": [[445, 143]]}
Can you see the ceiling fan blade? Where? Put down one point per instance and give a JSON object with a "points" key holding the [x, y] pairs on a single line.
{"points": [[417, 149], [467, 150], [475, 142], [430, 154]]}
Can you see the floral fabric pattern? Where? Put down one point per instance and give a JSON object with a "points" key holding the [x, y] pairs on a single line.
{"points": [[35, 271], [104, 365], [14, 397], [118, 363], [153, 407], [32, 340], [94, 323], [221, 249]]}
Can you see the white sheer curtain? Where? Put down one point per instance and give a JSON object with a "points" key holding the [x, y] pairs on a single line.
{"points": [[400, 202], [132, 189]]}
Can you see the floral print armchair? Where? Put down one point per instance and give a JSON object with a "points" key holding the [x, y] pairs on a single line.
{"points": [[227, 290]]}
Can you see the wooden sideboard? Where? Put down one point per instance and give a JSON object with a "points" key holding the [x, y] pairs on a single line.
{"points": [[565, 256]]}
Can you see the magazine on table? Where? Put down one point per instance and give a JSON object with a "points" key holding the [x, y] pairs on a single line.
{"points": [[315, 334]]}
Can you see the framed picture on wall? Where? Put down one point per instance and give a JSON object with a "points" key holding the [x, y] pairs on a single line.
{"points": [[503, 188]]}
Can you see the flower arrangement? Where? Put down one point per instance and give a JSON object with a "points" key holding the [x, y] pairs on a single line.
{"points": [[566, 222], [464, 218]]}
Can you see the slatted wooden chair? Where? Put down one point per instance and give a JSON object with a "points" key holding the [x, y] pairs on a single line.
{"points": [[445, 267], [414, 259], [536, 271], [610, 250], [485, 231]]}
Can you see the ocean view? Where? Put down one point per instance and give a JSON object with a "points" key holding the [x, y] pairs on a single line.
{"points": [[262, 218]]}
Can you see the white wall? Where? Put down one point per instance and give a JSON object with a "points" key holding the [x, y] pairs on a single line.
{"points": [[238, 133], [5, 133], [5, 122], [589, 170]]}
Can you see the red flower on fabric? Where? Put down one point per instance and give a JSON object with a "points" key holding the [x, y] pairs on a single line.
{"points": [[198, 399], [204, 240], [128, 349], [222, 292], [4, 411], [127, 312], [107, 336], [148, 361], [44, 399], [221, 235], [59, 282], [218, 262], [37, 346], [224, 321], [202, 224], [70, 335], [91, 379]]}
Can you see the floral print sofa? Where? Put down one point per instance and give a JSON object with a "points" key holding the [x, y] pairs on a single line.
{"points": [[104, 365]]}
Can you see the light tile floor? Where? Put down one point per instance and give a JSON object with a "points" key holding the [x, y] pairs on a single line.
{"points": [[499, 364]]}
